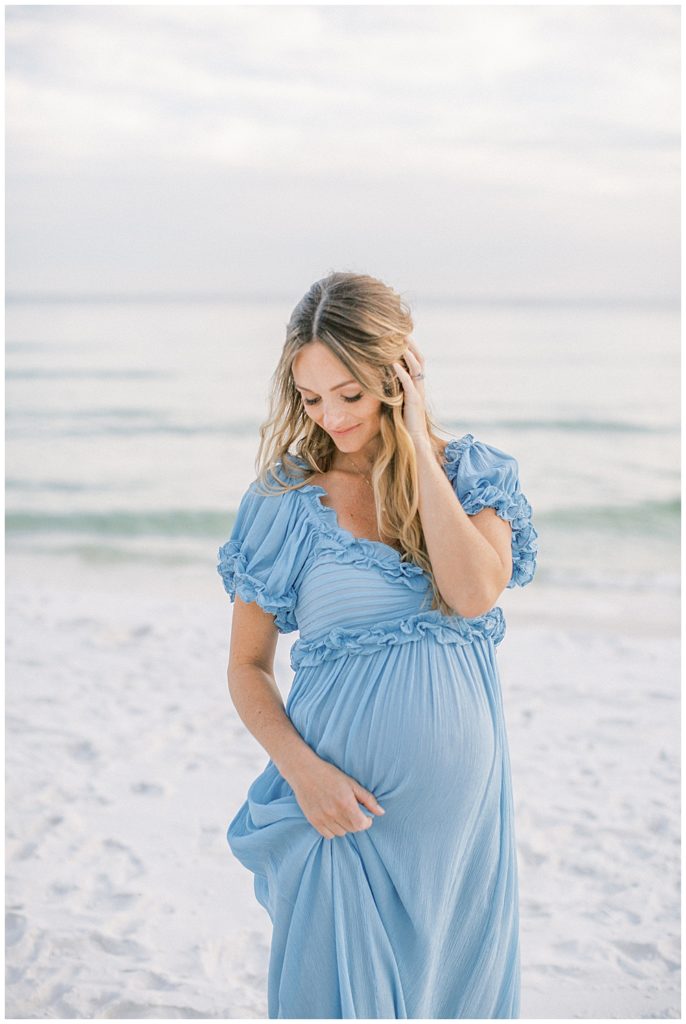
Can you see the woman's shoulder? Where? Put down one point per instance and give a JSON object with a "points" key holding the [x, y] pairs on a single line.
{"points": [[452, 449], [276, 482], [268, 545], [472, 452]]}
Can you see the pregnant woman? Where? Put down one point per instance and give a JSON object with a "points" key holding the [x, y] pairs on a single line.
{"points": [[381, 831]]}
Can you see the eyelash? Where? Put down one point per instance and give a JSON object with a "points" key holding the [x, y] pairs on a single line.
{"points": [[313, 401]]}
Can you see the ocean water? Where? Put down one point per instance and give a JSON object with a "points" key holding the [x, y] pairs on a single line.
{"points": [[132, 428]]}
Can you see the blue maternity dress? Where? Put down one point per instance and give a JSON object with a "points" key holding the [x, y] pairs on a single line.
{"points": [[416, 916]]}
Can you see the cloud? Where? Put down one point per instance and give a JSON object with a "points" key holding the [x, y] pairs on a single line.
{"points": [[349, 86], [549, 108]]}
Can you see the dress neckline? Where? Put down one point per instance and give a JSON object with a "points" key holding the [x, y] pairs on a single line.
{"points": [[451, 451]]}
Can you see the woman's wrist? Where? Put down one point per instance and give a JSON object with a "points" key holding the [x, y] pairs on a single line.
{"points": [[297, 757], [423, 447]]}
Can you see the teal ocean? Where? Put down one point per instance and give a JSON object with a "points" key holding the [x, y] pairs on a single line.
{"points": [[132, 427]]}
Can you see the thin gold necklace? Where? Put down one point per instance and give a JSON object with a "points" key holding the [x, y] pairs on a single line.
{"points": [[360, 472]]}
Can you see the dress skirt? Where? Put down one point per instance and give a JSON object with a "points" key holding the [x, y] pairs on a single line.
{"points": [[416, 916]]}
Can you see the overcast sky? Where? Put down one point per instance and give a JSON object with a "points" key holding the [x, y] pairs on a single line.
{"points": [[451, 150]]}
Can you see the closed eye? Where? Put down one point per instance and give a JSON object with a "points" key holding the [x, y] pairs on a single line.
{"points": [[354, 398]]}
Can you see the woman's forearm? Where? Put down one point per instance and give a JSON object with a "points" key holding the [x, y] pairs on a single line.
{"points": [[260, 707], [468, 570]]}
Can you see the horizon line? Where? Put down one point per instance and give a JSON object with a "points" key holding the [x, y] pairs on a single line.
{"points": [[190, 297]]}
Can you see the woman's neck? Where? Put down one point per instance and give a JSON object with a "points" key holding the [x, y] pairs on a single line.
{"points": [[362, 460]]}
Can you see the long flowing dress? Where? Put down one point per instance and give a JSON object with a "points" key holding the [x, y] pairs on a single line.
{"points": [[418, 915]]}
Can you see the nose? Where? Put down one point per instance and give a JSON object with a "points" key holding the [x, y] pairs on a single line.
{"points": [[333, 425], [333, 421]]}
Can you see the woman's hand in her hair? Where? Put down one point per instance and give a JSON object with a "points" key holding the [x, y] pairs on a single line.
{"points": [[414, 412]]}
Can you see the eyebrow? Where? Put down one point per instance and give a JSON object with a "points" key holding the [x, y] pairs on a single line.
{"points": [[335, 388]]}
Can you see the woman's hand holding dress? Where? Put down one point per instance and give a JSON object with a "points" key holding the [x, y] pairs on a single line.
{"points": [[328, 798]]}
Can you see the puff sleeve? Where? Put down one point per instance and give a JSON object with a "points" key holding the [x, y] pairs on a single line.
{"points": [[267, 548], [484, 476]]}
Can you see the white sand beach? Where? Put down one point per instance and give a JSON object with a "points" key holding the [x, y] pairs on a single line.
{"points": [[126, 760]]}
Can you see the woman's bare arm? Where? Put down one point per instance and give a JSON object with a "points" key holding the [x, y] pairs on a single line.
{"points": [[328, 797], [471, 556], [254, 692]]}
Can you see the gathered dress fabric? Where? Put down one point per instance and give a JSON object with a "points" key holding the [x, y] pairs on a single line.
{"points": [[417, 915]]}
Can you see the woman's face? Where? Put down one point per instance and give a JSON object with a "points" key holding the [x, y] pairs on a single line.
{"points": [[334, 400]]}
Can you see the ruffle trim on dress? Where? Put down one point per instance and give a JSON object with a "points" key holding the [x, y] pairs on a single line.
{"points": [[453, 451], [232, 567], [358, 550], [510, 505], [340, 642]]}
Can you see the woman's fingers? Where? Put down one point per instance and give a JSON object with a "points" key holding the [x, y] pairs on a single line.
{"points": [[416, 364], [412, 346], [336, 829]]}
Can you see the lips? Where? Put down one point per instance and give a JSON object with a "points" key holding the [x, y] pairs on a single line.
{"points": [[341, 432]]}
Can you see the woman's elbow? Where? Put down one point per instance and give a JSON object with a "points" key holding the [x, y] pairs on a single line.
{"points": [[478, 605], [473, 611]]}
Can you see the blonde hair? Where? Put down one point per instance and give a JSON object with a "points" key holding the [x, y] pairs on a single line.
{"points": [[366, 325]]}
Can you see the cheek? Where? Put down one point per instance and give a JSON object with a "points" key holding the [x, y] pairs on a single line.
{"points": [[371, 409]]}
